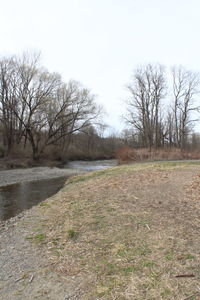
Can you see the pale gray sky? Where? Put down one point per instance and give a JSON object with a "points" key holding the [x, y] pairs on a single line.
{"points": [[100, 42]]}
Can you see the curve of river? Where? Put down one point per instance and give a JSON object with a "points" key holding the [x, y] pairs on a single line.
{"points": [[21, 193]]}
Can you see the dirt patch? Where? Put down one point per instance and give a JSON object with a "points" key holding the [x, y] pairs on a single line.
{"points": [[123, 233]]}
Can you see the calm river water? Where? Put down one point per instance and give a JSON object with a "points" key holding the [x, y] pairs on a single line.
{"points": [[18, 197]]}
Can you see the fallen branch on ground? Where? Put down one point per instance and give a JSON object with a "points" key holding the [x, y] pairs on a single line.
{"points": [[184, 275]]}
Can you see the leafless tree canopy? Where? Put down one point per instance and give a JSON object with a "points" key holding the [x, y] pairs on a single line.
{"points": [[38, 111], [185, 90], [147, 89], [154, 121], [38, 108]]}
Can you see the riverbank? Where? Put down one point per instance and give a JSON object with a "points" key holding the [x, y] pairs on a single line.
{"points": [[13, 176], [121, 233], [10, 163], [8, 177]]}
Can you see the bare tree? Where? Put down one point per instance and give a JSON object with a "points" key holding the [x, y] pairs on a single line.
{"points": [[72, 110], [8, 83], [185, 90], [36, 107], [143, 109], [170, 129]]}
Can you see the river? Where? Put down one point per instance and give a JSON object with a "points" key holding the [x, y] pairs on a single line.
{"points": [[14, 198]]}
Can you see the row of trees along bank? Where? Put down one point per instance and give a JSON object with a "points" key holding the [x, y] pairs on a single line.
{"points": [[163, 108], [38, 110], [41, 114]]}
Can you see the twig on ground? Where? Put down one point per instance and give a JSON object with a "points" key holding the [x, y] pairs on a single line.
{"points": [[18, 279], [184, 275], [148, 226], [31, 279]]}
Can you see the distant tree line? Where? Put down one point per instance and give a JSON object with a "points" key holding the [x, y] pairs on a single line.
{"points": [[38, 111], [43, 116], [163, 108]]}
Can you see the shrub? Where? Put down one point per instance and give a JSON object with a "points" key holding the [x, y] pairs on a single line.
{"points": [[125, 154]]}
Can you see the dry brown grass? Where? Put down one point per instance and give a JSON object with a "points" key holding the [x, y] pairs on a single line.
{"points": [[128, 231], [126, 154]]}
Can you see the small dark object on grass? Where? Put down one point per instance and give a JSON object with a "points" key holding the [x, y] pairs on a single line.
{"points": [[184, 275]]}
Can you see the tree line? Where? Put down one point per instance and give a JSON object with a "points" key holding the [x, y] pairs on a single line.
{"points": [[38, 110], [163, 108]]}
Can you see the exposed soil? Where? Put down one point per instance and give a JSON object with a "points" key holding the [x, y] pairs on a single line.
{"points": [[123, 233]]}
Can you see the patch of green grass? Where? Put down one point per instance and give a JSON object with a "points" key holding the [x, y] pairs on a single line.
{"points": [[105, 267], [129, 269], [189, 256], [148, 263], [39, 237], [55, 241], [72, 234], [29, 237], [122, 253], [189, 297], [142, 222], [166, 292], [111, 268], [91, 175], [44, 204], [110, 209], [139, 251], [169, 255], [142, 250]]}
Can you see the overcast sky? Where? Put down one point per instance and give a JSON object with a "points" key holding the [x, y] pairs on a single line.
{"points": [[100, 42]]}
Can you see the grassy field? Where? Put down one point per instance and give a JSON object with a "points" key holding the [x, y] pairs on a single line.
{"points": [[127, 232]]}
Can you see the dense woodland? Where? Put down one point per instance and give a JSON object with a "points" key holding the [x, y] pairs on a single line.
{"points": [[43, 117]]}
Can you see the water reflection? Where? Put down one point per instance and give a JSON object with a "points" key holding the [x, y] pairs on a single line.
{"points": [[91, 165], [18, 197]]}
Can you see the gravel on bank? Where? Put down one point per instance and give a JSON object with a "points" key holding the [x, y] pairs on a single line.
{"points": [[26, 271], [9, 177]]}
